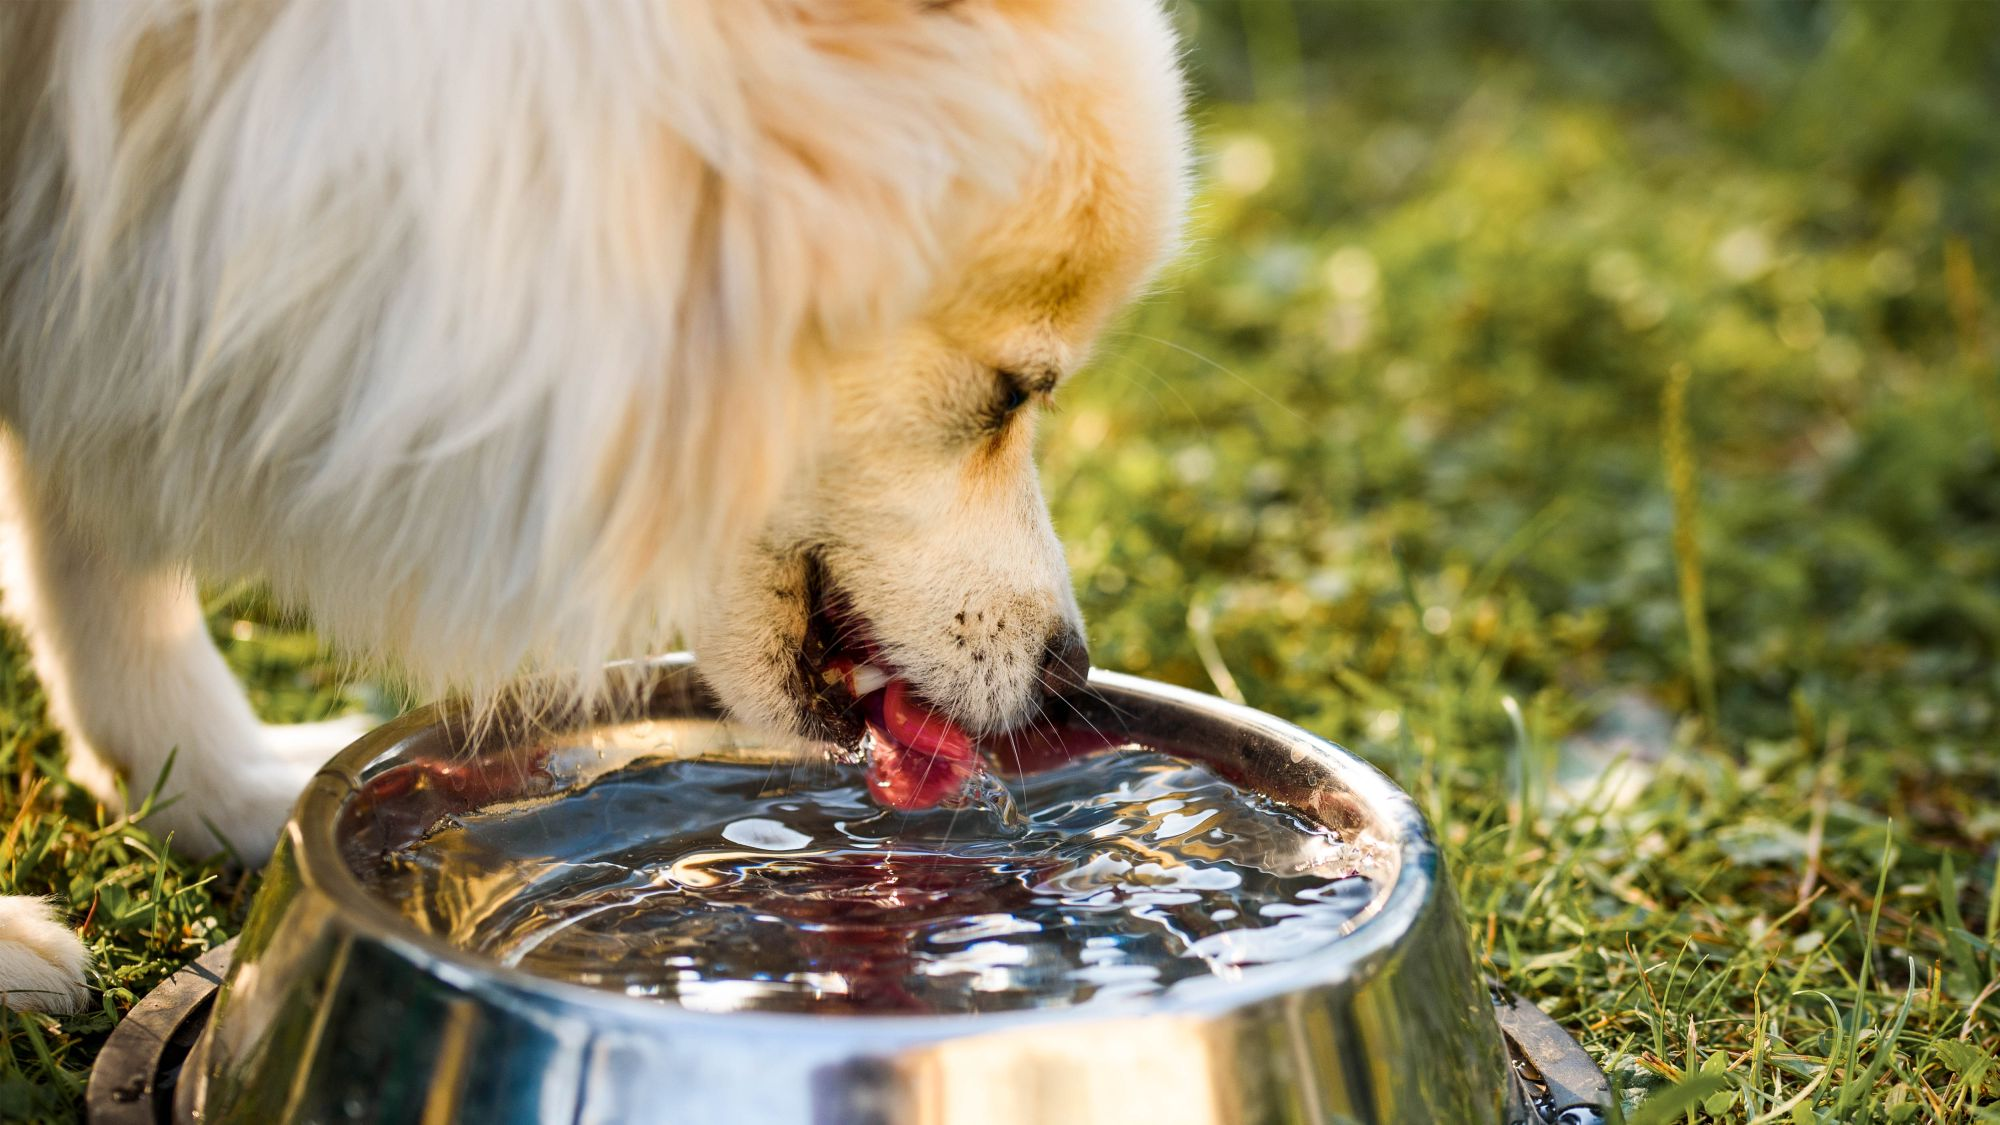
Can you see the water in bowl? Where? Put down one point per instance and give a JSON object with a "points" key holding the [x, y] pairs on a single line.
{"points": [[730, 885]]}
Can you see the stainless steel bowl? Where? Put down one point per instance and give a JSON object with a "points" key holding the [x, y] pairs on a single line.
{"points": [[336, 1008]]}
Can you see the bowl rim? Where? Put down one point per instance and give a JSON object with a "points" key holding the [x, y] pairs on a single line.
{"points": [[1361, 953]]}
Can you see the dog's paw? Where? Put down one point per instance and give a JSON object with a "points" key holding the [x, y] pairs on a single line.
{"points": [[307, 746], [243, 810], [43, 965]]}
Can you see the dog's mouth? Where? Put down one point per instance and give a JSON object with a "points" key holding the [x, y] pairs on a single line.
{"points": [[853, 696]]}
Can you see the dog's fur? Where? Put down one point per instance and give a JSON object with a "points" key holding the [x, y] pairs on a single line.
{"points": [[502, 335]]}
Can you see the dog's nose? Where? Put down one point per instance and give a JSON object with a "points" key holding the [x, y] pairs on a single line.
{"points": [[1065, 664]]}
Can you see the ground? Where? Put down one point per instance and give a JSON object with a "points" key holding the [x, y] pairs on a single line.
{"points": [[1590, 414]]}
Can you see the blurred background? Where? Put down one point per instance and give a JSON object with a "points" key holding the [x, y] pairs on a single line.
{"points": [[1588, 412]]}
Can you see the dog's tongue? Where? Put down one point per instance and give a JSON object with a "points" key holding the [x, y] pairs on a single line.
{"points": [[920, 758]]}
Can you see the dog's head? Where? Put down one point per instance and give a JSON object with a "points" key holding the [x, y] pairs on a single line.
{"points": [[913, 538]]}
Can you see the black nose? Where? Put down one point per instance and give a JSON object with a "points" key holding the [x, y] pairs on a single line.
{"points": [[1065, 665]]}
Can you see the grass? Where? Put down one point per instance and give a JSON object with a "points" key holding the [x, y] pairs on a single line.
{"points": [[1587, 412], [143, 911]]}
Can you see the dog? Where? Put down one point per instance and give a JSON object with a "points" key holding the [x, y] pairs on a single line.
{"points": [[501, 336]]}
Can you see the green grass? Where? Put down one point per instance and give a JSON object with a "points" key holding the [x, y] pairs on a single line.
{"points": [[1695, 674], [143, 911]]}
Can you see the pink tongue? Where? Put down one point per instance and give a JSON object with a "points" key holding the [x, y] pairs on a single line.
{"points": [[920, 757]]}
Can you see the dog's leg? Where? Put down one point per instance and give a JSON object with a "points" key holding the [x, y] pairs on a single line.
{"points": [[43, 965], [124, 656]]}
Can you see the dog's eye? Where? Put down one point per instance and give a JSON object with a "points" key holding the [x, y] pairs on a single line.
{"points": [[1010, 394]]}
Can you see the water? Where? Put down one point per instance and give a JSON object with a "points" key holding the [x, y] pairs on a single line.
{"points": [[727, 885]]}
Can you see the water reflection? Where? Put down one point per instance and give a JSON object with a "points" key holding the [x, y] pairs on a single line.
{"points": [[727, 885]]}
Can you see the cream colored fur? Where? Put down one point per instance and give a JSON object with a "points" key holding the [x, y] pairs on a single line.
{"points": [[501, 335], [42, 965]]}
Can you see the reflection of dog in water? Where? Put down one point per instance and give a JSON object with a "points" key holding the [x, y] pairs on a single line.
{"points": [[500, 339]]}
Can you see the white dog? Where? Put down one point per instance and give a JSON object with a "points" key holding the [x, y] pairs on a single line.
{"points": [[502, 335]]}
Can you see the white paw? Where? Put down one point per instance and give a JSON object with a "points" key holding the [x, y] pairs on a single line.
{"points": [[43, 965], [243, 810], [309, 745]]}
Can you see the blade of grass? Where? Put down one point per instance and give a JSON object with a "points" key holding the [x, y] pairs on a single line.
{"points": [[1850, 1090], [1679, 452], [1681, 1098]]}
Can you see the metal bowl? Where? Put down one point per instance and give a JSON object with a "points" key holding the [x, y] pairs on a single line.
{"points": [[336, 1008]]}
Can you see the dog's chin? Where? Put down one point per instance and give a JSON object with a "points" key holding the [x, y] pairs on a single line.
{"points": [[785, 694], [824, 703], [827, 682], [796, 679]]}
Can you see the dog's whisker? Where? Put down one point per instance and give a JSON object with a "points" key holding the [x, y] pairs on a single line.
{"points": [[1267, 396], [1155, 377]]}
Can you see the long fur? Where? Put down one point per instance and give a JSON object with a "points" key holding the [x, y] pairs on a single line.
{"points": [[502, 335], [42, 965], [478, 328]]}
